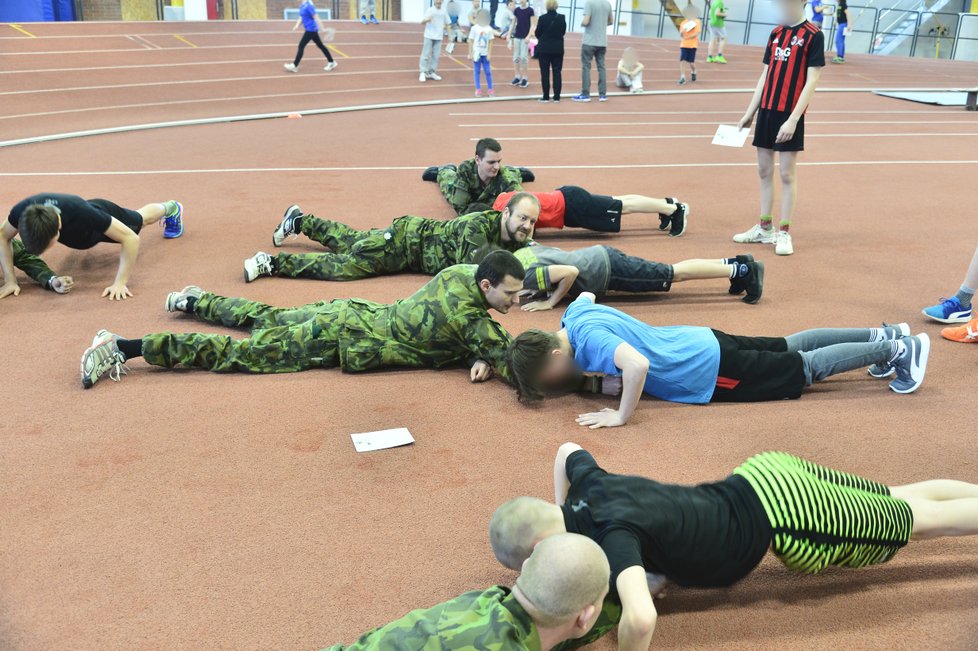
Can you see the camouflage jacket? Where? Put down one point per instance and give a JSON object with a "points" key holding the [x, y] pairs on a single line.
{"points": [[433, 244], [490, 620], [446, 322], [30, 264], [467, 187]]}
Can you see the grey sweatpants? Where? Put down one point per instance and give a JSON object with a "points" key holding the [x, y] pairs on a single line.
{"points": [[828, 351], [430, 54], [593, 53]]}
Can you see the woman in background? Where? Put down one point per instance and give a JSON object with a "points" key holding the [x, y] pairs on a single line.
{"points": [[550, 31]]}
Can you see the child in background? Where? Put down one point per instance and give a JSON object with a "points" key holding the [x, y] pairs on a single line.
{"points": [[519, 33], [434, 21], [455, 32], [689, 31], [504, 18], [630, 71], [480, 47], [309, 20], [793, 62], [718, 32]]}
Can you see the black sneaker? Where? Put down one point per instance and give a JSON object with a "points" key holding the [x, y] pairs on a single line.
{"points": [[678, 219], [754, 283], [527, 175], [524, 82], [665, 220], [739, 285], [692, 76], [515, 82], [430, 174]]}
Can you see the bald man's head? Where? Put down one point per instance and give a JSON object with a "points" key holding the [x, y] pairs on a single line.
{"points": [[518, 525], [565, 574]]}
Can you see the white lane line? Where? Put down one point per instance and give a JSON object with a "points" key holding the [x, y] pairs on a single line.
{"points": [[290, 44], [133, 39], [934, 111], [559, 125], [148, 43], [710, 136], [415, 168], [188, 32]]}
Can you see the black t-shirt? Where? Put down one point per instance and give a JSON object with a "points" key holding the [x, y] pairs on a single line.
{"points": [[710, 535], [840, 13], [82, 224]]}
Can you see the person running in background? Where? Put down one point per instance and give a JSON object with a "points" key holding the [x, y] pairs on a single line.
{"points": [[519, 32], [957, 309], [598, 16], [841, 31], [630, 71], [689, 32], [435, 20], [784, 90], [309, 20], [480, 50], [80, 224], [550, 32], [718, 32], [368, 8]]}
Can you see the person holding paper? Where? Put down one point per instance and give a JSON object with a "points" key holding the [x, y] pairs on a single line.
{"points": [[696, 365], [444, 323], [552, 274], [793, 62], [558, 603], [714, 534]]}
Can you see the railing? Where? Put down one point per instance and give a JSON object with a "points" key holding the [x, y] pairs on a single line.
{"points": [[874, 30]]}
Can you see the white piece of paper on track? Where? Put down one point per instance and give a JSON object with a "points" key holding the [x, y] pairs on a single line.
{"points": [[382, 440], [728, 136]]}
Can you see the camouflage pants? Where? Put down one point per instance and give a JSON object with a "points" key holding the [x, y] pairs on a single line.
{"points": [[355, 254], [283, 340], [30, 264]]}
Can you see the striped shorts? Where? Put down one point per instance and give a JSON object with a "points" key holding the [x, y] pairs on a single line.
{"points": [[821, 517]]}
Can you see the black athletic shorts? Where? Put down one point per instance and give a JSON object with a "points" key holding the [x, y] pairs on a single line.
{"points": [[130, 218], [596, 212], [767, 127], [754, 369]]}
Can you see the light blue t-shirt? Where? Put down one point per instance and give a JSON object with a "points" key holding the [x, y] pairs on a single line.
{"points": [[683, 360], [307, 11]]}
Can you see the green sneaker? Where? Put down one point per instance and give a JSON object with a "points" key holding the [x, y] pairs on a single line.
{"points": [[719, 59], [710, 59], [838, 60]]}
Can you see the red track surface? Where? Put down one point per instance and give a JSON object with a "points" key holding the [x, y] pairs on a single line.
{"points": [[192, 510]]}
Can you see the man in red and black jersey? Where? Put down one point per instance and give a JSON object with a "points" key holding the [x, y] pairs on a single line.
{"points": [[793, 61]]}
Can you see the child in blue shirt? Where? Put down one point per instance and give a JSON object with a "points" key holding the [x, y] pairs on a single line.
{"points": [[309, 20]]}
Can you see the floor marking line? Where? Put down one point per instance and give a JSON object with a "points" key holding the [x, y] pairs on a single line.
{"points": [[21, 30], [413, 168], [710, 136], [133, 39], [180, 38], [338, 51], [290, 45], [452, 57], [552, 124]]}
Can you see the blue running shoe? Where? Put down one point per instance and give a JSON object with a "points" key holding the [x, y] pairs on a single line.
{"points": [[581, 98], [363, 19], [173, 220], [911, 365], [949, 310], [374, 21]]}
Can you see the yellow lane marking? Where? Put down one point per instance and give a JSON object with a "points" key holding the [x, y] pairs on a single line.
{"points": [[459, 62], [180, 38], [338, 50], [21, 30]]}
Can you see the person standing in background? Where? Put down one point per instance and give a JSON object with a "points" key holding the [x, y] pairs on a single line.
{"points": [[841, 31], [309, 20], [818, 12], [480, 50], [435, 20], [550, 50], [519, 34], [689, 32], [504, 18], [718, 32], [368, 6], [594, 46]]}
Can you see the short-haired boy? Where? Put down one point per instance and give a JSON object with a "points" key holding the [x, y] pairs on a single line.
{"points": [[689, 32]]}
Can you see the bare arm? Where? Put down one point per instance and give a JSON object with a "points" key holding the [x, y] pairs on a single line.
{"points": [[638, 616], [10, 285], [848, 21], [611, 17], [634, 371], [119, 232], [561, 482], [755, 102], [564, 275], [586, 20], [297, 23]]}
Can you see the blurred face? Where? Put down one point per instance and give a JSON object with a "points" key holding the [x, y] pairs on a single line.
{"points": [[504, 295], [437, 4], [518, 224], [558, 369], [488, 165], [790, 11]]}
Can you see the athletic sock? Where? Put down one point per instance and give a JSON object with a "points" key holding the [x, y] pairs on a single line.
{"points": [[738, 270], [191, 304], [897, 350], [766, 222], [784, 225], [297, 225], [130, 348], [964, 296]]}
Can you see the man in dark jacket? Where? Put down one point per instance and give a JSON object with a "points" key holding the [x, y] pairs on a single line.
{"points": [[550, 49]]}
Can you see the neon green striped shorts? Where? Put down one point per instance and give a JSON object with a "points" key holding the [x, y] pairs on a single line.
{"points": [[823, 517]]}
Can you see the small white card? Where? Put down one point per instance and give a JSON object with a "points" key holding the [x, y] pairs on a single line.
{"points": [[729, 136], [387, 438]]}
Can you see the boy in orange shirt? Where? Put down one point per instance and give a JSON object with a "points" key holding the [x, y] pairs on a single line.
{"points": [[689, 31]]}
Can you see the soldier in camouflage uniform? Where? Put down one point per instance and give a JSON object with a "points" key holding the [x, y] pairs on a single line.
{"points": [[555, 603], [410, 244], [478, 180], [38, 270], [444, 323]]}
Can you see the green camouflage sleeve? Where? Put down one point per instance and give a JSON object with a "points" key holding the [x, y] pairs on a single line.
{"points": [[31, 265], [512, 179], [459, 186], [607, 621], [487, 340]]}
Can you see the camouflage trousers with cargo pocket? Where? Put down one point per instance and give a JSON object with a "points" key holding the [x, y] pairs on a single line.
{"points": [[282, 340]]}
